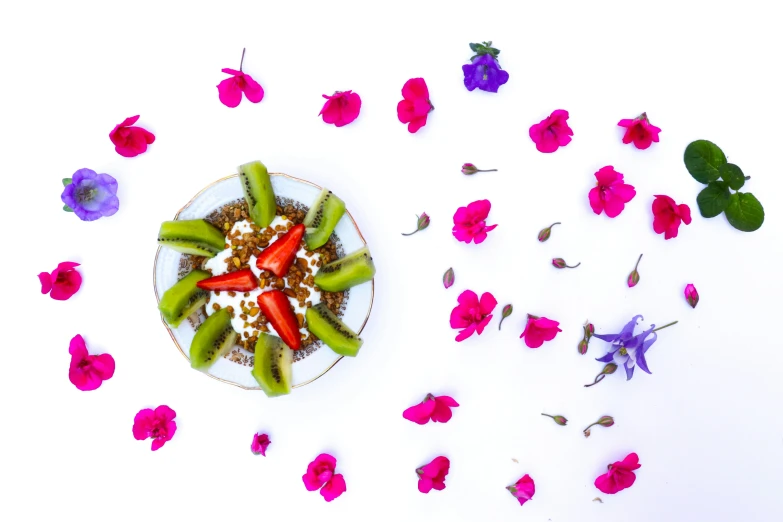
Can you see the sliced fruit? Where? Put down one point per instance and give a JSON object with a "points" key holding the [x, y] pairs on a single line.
{"points": [[331, 330], [258, 192], [213, 339], [184, 298], [272, 365], [239, 281], [191, 236], [322, 217], [354, 269], [277, 308], [279, 256]]}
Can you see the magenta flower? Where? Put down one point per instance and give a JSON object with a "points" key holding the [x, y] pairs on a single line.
{"points": [[472, 314], [62, 283], [667, 216], [523, 490], [341, 108], [415, 106], [158, 425], [470, 222], [231, 89], [435, 409], [433, 475], [538, 330], [691, 295], [552, 133], [610, 193], [87, 372], [260, 443], [320, 475], [130, 141], [640, 131], [620, 475]]}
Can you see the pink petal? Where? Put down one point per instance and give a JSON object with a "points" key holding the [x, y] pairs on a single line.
{"points": [[127, 122], [352, 108], [631, 462], [334, 488], [311, 481], [157, 444], [425, 484], [104, 365], [460, 317], [149, 138], [685, 213], [479, 210], [417, 123], [482, 324], [405, 111], [467, 332], [547, 144], [533, 337], [613, 206], [625, 192], [415, 88], [462, 233], [605, 484], [625, 123], [165, 413], [229, 92], [660, 223], [488, 303], [142, 423], [46, 282], [461, 217], [607, 176], [442, 412], [596, 203], [330, 112], [77, 348], [448, 401], [468, 299], [420, 413], [252, 89]]}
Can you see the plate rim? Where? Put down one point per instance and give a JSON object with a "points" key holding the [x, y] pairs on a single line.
{"points": [[168, 328]]}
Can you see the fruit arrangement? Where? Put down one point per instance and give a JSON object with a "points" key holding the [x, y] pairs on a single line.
{"points": [[246, 279]]}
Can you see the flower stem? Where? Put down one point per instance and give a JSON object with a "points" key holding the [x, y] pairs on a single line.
{"points": [[598, 378], [637, 262], [590, 426], [576, 265], [665, 326], [553, 224], [242, 61], [410, 233], [488, 170], [547, 415]]}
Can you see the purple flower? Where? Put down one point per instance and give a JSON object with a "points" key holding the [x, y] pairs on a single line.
{"points": [[91, 196], [484, 70], [627, 349]]}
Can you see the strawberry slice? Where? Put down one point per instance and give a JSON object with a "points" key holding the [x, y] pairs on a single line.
{"points": [[277, 308], [239, 281], [279, 256]]}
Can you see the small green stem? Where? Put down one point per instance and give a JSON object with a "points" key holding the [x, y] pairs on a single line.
{"points": [[241, 62], [501, 324], [598, 378], [488, 170], [665, 326], [411, 233], [590, 426], [576, 265], [553, 224], [547, 415], [637, 261]]}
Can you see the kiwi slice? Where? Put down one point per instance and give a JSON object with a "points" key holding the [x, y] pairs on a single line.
{"points": [[213, 339], [184, 298], [331, 330], [272, 365], [354, 269], [258, 192], [192, 236], [321, 219]]}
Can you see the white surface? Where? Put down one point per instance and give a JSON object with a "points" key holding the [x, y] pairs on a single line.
{"points": [[706, 424]]}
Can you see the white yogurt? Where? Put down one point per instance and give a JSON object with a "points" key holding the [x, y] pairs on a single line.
{"points": [[217, 265]]}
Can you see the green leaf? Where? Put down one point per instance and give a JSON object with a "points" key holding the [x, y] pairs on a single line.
{"points": [[703, 160], [67, 181], [732, 175], [745, 212], [713, 199], [67, 208], [474, 47]]}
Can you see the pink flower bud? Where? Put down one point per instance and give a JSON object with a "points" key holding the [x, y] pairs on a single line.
{"points": [[609, 369], [506, 312], [605, 421], [559, 262], [582, 347], [422, 223], [469, 169], [559, 419], [633, 277], [545, 233], [448, 278], [691, 295], [589, 330]]}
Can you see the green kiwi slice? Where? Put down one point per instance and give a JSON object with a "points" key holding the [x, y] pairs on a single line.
{"points": [[321, 219], [272, 365], [213, 339], [354, 269], [258, 192], [331, 330], [192, 236], [184, 298]]}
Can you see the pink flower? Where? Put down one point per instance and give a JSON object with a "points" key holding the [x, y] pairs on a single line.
{"points": [[552, 132], [610, 193], [523, 490], [158, 425], [620, 476], [640, 131], [667, 216], [230, 90], [538, 330], [470, 222], [691, 295], [63, 282], [320, 474], [433, 475], [471, 314], [87, 372], [130, 141], [260, 443], [435, 409], [341, 108], [415, 105]]}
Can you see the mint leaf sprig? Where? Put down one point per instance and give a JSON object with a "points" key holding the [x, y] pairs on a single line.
{"points": [[708, 165]]}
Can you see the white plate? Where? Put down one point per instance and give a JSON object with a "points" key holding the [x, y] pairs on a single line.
{"points": [[236, 368]]}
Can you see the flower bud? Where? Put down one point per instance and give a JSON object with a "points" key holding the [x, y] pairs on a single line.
{"points": [[589, 330], [633, 279], [609, 369], [422, 223], [469, 169], [605, 421], [448, 278], [559, 262], [545, 233], [506, 312], [559, 419], [583, 346], [691, 295]]}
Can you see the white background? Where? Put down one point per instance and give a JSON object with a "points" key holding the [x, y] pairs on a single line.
{"points": [[706, 424]]}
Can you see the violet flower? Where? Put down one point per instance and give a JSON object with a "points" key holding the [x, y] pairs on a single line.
{"points": [[91, 196], [628, 350], [484, 71]]}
